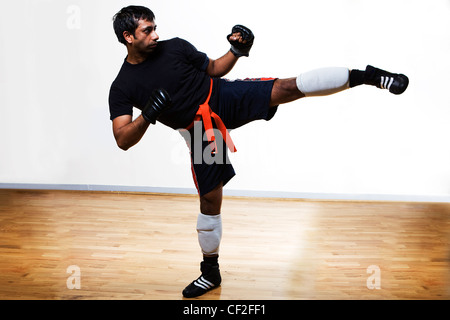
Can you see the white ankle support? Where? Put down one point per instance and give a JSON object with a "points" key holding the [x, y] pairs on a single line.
{"points": [[325, 81], [209, 229]]}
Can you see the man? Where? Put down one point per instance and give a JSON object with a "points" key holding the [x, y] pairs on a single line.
{"points": [[172, 82]]}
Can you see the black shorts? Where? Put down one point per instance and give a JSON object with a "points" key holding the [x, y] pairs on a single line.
{"points": [[237, 102]]}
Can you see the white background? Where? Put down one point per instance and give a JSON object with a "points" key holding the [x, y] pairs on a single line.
{"points": [[59, 57]]}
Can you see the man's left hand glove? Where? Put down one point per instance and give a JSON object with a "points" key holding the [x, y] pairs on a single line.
{"points": [[241, 48], [159, 101]]}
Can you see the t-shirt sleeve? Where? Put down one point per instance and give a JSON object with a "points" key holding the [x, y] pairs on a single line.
{"points": [[119, 104], [198, 59]]}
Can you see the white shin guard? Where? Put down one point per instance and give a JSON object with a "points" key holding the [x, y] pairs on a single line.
{"points": [[209, 229], [325, 81]]}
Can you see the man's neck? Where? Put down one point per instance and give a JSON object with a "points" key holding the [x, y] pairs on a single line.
{"points": [[133, 58]]}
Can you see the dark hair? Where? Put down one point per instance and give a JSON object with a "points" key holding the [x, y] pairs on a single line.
{"points": [[127, 19]]}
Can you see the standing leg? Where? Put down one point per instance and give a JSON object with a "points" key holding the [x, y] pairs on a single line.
{"points": [[209, 229], [209, 224]]}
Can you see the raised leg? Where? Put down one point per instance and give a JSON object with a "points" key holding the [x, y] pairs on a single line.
{"points": [[326, 81]]}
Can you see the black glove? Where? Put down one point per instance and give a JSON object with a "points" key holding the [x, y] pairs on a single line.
{"points": [[158, 101], [240, 49]]}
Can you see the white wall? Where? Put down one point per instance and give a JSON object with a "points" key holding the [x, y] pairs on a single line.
{"points": [[59, 57]]}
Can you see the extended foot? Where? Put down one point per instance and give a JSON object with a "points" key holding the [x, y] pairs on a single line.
{"points": [[394, 82], [209, 279]]}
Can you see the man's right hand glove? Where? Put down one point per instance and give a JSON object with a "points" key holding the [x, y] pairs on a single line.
{"points": [[159, 100], [240, 49]]}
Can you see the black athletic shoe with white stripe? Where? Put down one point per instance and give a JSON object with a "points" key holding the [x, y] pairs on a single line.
{"points": [[209, 280], [394, 82]]}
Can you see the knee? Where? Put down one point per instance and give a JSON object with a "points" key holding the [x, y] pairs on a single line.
{"points": [[284, 91]]}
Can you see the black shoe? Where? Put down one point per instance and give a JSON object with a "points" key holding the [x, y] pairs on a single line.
{"points": [[394, 82], [209, 280]]}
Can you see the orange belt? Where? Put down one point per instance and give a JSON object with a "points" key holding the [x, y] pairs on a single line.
{"points": [[205, 114]]}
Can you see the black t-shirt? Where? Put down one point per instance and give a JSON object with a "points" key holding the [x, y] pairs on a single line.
{"points": [[175, 66]]}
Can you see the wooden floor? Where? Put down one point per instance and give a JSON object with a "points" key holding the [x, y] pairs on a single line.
{"points": [[144, 246]]}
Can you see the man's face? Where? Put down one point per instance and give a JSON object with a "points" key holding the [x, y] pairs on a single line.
{"points": [[145, 37]]}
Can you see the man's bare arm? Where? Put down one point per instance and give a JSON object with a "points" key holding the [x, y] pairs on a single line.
{"points": [[223, 65], [127, 132]]}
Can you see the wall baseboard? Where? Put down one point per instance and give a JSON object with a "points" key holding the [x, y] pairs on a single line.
{"points": [[234, 193]]}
